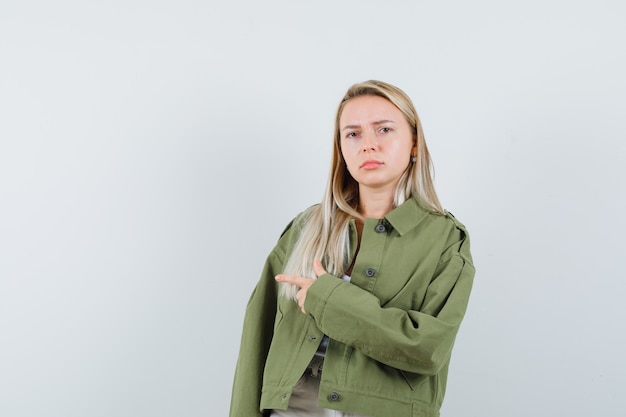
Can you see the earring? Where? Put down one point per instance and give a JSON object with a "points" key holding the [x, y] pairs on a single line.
{"points": [[413, 158]]}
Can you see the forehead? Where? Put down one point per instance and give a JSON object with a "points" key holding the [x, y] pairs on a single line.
{"points": [[367, 109]]}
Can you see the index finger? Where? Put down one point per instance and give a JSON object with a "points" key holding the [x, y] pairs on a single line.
{"points": [[292, 279]]}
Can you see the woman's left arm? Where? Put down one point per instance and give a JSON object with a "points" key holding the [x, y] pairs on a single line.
{"points": [[418, 341]]}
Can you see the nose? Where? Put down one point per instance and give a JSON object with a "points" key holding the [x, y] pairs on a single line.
{"points": [[369, 142]]}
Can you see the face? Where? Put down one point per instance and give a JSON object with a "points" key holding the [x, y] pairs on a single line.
{"points": [[376, 142]]}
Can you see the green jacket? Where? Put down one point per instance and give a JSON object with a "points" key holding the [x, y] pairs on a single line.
{"points": [[391, 328]]}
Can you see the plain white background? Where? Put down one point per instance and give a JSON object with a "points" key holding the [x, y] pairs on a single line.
{"points": [[152, 151]]}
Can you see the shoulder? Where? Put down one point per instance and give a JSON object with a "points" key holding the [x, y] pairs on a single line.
{"points": [[446, 220], [414, 215], [444, 228], [454, 222], [458, 238]]}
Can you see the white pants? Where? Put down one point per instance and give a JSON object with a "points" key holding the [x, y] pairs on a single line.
{"points": [[303, 402]]}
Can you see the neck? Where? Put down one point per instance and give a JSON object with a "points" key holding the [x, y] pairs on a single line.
{"points": [[374, 204]]}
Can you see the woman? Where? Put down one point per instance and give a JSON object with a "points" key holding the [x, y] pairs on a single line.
{"points": [[360, 301]]}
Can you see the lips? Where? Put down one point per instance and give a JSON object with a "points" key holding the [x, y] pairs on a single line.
{"points": [[371, 164]]}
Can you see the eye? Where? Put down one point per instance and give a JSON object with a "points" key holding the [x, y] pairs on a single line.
{"points": [[385, 129], [351, 135]]}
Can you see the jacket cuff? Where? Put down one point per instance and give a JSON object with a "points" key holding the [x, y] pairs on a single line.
{"points": [[318, 293]]}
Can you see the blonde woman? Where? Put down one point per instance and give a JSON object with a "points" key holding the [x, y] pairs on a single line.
{"points": [[359, 303]]}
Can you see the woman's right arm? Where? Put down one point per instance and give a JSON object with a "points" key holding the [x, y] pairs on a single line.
{"points": [[255, 341], [258, 330]]}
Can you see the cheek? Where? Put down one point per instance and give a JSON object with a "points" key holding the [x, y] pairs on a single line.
{"points": [[349, 159], [347, 151], [353, 148], [405, 150]]}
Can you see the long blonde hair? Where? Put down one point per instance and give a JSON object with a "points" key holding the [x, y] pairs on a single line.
{"points": [[325, 231]]}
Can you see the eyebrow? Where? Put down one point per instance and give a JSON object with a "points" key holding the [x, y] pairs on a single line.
{"points": [[376, 123]]}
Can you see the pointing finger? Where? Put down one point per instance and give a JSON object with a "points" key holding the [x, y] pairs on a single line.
{"points": [[292, 279]]}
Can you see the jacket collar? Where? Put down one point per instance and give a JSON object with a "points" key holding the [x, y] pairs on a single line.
{"points": [[407, 215]]}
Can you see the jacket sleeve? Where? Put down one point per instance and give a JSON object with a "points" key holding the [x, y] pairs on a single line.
{"points": [[418, 341], [258, 330]]}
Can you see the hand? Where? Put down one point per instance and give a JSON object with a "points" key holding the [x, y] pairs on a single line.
{"points": [[302, 282]]}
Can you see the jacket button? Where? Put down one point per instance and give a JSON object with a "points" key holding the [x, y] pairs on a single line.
{"points": [[333, 396], [380, 228], [370, 272]]}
